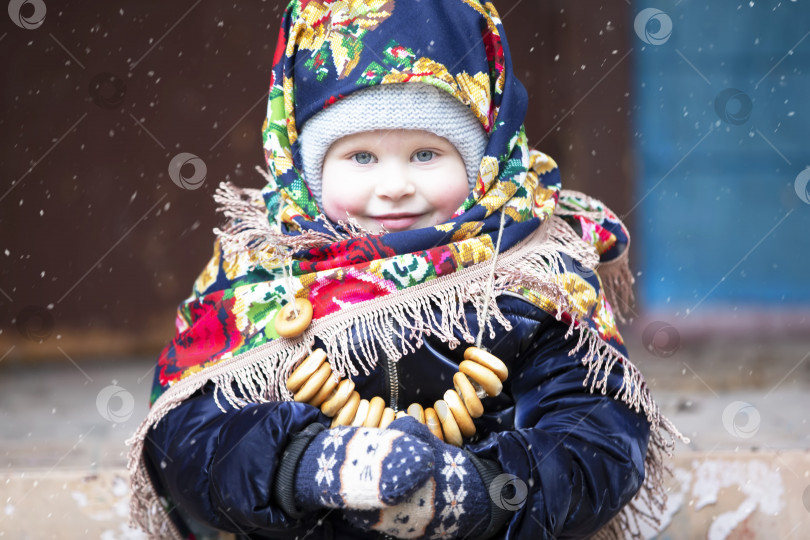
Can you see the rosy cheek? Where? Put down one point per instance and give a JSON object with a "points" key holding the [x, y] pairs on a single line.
{"points": [[334, 208], [341, 200], [347, 202]]}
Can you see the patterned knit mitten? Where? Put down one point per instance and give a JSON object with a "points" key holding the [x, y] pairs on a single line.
{"points": [[452, 503], [360, 468]]}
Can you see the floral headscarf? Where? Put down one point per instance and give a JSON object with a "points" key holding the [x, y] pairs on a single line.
{"points": [[326, 51], [560, 250]]}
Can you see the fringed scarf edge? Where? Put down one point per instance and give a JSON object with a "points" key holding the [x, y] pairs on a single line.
{"points": [[249, 228], [259, 375]]}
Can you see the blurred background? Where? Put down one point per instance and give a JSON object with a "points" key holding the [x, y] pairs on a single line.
{"points": [[690, 120]]}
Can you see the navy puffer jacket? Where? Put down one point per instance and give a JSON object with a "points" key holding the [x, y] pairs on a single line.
{"points": [[581, 455]]}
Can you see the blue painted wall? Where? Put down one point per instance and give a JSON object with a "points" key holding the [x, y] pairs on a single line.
{"points": [[719, 221]]}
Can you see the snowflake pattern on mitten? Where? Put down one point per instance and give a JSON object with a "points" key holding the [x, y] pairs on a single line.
{"points": [[453, 502], [326, 461], [360, 468]]}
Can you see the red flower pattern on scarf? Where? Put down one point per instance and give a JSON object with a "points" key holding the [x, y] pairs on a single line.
{"points": [[212, 333], [348, 252], [330, 294]]}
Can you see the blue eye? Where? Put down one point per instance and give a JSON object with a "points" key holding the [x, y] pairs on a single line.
{"points": [[363, 158], [424, 155]]}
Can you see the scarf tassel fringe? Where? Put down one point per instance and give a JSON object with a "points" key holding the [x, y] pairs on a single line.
{"points": [[354, 338]]}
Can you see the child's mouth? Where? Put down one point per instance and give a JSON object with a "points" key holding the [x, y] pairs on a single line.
{"points": [[398, 222]]}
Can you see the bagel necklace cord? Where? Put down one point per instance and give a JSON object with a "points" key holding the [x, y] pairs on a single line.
{"points": [[480, 374]]}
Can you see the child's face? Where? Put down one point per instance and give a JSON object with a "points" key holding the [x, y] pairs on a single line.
{"points": [[400, 179]]}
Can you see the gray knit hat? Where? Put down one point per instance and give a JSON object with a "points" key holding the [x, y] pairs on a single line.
{"points": [[392, 106]]}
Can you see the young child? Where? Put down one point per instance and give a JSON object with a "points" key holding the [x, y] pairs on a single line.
{"points": [[406, 211]]}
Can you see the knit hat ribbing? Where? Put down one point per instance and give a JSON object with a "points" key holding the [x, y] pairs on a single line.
{"points": [[417, 106]]}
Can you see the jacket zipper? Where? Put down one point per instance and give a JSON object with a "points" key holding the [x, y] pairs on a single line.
{"points": [[393, 402], [393, 384]]}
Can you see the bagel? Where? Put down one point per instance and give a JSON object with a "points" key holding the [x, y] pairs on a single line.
{"points": [[346, 413], [452, 434], [460, 413], [433, 423], [488, 360], [467, 393], [326, 390], [490, 382], [338, 399], [305, 370], [362, 413], [376, 406], [289, 324], [313, 384], [388, 416], [416, 410]]}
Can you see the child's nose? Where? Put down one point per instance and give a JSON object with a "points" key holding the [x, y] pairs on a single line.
{"points": [[395, 182]]}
